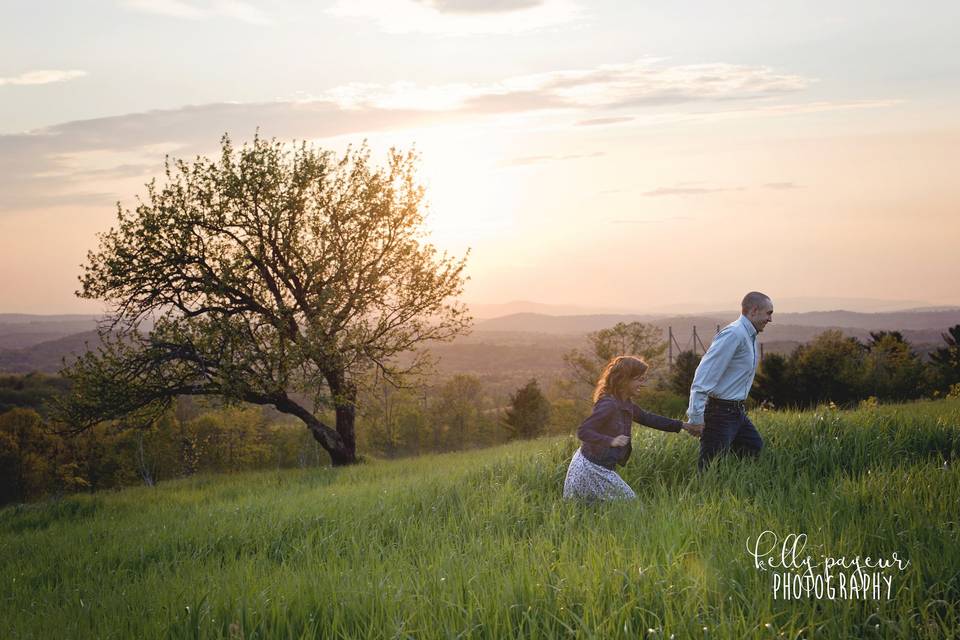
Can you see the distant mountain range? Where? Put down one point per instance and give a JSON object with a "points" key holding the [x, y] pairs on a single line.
{"points": [[18, 330], [532, 342], [783, 323], [47, 356], [784, 305]]}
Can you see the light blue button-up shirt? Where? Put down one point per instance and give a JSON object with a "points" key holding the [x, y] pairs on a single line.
{"points": [[727, 368]]}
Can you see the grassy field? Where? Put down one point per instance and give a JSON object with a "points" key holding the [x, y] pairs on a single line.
{"points": [[480, 545]]}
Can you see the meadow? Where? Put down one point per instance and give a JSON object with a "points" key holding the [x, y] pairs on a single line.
{"points": [[479, 544]]}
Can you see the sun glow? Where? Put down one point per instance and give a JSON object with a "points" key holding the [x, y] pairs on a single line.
{"points": [[469, 198]]}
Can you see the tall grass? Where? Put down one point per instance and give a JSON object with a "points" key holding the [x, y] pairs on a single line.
{"points": [[480, 545]]}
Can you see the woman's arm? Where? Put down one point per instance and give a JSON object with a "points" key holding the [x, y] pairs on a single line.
{"points": [[591, 429], [648, 419]]}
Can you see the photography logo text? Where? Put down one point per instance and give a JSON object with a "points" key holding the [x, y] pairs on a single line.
{"points": [[796, 575]]}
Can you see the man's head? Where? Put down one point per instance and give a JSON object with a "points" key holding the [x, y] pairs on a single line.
{"points": [[758, 309]]}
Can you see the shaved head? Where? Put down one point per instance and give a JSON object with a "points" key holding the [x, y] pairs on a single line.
{"points": [[753, 300], [758, 309]]}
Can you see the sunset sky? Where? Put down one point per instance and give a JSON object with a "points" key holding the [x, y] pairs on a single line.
{"points": [[627, 155]]}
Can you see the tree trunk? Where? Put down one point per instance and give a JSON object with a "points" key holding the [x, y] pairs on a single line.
{"points": [[332, 441], [345, 405], [342, 451], [346, 417]]}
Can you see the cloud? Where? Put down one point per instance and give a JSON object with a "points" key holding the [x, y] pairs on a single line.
{"points": [[90, 158], [650, 82], [682, 191], [519, 162], [602, 121], [528, 160], [43, 167], [649, 220], [480, 6], [460, 17], [688, 189], [782, 185], [42, 76], [198, 10], [646, 82]]}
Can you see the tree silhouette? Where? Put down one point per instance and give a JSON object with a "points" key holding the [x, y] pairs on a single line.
{"points": [[529, 412], [893, 369], [684, 368], [774, 383], [635, 338], [268, 273], [946, 360]]}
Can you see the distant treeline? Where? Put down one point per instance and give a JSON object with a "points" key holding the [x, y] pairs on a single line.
{"points": [[843, 370], [36, 460], [463, 411]]}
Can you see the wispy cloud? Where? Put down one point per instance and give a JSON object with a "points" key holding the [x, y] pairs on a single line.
{"points": [[683, 191], [46, 166], [42, 166], [594, 122], [649, 220], [646, 82], [42, 76], [528, 160], [712, 114], [460, 17], [480, 6], [197, 10], [782, 185], [689, 188]]}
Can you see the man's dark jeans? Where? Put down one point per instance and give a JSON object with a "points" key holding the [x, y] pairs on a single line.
{"points": [[727, 427]]}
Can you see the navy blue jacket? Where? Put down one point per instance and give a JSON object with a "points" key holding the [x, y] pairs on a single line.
{"points": [[610, 418]]}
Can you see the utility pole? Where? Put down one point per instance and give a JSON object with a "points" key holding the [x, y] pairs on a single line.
{"points": [[696, 339], [671, 343], [670, 347]]}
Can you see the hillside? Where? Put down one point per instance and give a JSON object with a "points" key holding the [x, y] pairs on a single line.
{"points": [[526, 343], [47, 357], [20, 331], [787, 324], [480, 545]]}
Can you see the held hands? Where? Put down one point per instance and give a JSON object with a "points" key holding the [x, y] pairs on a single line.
{"points": [[620, 441], [695, 430]]}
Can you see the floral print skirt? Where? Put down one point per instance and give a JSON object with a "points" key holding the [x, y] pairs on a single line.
{"points": [[588, 481]]}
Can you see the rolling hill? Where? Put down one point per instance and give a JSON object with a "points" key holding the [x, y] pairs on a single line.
{"points": [[527, 342]]}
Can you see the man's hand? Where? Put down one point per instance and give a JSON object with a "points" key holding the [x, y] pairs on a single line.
{"points": [[620, 441], [695, 430]]}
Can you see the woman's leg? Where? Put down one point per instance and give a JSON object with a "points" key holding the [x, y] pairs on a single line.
{"points": [[588, 481]]}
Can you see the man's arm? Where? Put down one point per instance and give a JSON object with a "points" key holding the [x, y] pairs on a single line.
{"points": [[711, 367]]}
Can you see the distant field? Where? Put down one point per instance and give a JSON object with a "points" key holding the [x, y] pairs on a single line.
{"points": [[480, 545]]}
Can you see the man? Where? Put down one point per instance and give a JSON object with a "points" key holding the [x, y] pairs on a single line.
{"points": [[723, 380]]}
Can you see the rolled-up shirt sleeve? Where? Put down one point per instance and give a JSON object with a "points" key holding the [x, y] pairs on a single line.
{"points": [[655, 421], [708, 373], [590, 429]]}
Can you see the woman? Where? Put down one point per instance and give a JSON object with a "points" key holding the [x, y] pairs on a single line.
{"points": [[605, 435]]}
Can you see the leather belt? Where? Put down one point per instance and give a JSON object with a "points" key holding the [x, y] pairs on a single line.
{"points": [[737, 404]]}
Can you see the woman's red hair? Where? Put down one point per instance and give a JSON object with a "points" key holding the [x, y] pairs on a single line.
{"points": [[617, 375]]}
